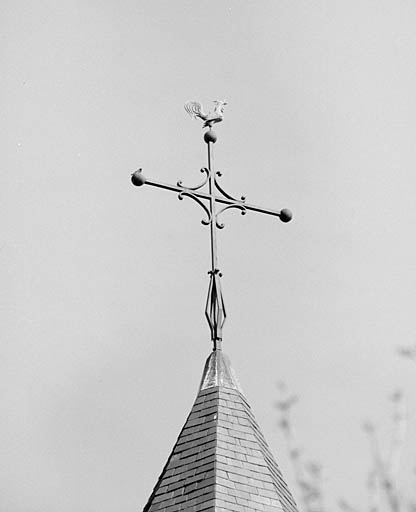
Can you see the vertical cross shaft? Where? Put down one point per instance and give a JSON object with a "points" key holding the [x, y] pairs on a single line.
{"points": [[213, 226], [215, 308]]}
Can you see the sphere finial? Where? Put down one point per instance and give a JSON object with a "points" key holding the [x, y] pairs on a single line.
{"points": [[210, 136], [137, 178], [285, 215]]}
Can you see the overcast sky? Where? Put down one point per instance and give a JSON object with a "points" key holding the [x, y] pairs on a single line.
{"points": [[104, 285]]}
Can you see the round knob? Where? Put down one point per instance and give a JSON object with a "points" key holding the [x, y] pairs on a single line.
{"points": [[138, 179], [210, 136], [285, 215]]}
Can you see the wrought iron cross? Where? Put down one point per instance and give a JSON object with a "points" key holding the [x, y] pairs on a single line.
{"points": [[215, 309]]}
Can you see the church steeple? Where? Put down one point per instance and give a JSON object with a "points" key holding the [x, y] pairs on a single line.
{"points": [[221, 461]]}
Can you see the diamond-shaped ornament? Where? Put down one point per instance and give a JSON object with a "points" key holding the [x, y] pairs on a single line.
{"points": [[215, 308]]}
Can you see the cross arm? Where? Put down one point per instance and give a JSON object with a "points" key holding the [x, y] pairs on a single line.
{"points": [[138, 179]]}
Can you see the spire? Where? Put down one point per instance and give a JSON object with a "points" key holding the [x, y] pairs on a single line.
{"points": [[221, 461]]}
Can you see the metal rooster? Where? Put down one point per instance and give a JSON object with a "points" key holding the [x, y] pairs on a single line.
{"points": [[194, 109]]}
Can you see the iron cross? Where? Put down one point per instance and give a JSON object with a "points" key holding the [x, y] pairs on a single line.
{"points": [[215, 309]]}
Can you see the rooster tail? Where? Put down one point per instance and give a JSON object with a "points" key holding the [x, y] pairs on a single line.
{"points": [[194, 109]]}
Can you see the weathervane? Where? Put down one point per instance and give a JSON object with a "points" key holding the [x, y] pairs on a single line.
{"points": [[194, 109], [214, 309]]}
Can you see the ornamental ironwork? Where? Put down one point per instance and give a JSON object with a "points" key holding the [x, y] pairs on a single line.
{"points": [[208, 200]]}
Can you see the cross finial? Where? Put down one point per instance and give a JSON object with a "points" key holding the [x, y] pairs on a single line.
{"points": [[215, 308]]}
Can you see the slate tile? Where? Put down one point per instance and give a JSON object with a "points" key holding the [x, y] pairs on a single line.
{"points": [[239, 493], [247, 488], [261, 499], [238, 478], [225, 482], [162, 497], [234, 463], [172, 508], [233, 507], [274, 509], [249, 443], [205, 505]]}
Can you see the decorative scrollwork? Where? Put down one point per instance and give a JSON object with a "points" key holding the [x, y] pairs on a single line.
{"points": [[225, 194], [236, 206], [206, 221], [203, 170]]}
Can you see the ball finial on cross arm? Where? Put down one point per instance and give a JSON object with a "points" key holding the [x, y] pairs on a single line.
{"points": [[137, 178], [285, 215]]}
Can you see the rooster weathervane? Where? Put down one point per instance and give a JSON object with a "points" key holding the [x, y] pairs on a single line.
{"points": [[194, 109], [215, 308]]}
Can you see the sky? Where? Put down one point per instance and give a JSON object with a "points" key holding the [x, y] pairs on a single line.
{"points": [[103, 284]]}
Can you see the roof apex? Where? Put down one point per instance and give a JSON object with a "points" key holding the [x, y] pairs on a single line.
{"points": [[219, 373]]}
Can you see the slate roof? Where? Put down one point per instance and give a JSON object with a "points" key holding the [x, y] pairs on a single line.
{"points": [[221, 461]]}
